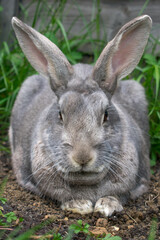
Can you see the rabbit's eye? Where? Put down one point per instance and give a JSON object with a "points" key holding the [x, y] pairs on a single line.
{"points": [[60, 116], [105, 116]]}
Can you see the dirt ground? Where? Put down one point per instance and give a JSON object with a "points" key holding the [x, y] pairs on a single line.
{"points": [[133, 223]]}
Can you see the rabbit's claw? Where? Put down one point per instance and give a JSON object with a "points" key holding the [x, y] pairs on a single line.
{"points": [[108, 205], [78, 206]]}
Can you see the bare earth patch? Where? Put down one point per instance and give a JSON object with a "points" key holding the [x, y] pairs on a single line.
{"points": [[133, 222]]}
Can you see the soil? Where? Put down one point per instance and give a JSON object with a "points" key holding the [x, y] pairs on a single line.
{"points": [[134, 222]]}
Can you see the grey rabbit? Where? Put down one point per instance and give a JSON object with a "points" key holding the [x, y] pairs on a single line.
{"points": [[78, 134]]}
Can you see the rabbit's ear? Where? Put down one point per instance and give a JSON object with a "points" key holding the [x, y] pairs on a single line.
{"points": [[123, 53], [43, 55]]}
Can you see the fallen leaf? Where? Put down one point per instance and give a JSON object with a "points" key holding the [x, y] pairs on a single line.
{"points": [[97, 231]]}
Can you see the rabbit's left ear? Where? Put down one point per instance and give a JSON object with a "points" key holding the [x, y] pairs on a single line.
{"points": [[122, 54], [43, 55]]}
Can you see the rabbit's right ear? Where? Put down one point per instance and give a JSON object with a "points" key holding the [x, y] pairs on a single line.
{"points": [[122, 54], [43, 55]]}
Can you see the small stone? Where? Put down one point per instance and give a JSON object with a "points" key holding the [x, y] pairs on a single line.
{"points": [[115, 228], [17, 221], [130, 226], [66, 219], [52, 217], [101, 222]]}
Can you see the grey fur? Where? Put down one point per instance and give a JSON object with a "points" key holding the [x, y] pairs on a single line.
{"points": [[75, 156]]}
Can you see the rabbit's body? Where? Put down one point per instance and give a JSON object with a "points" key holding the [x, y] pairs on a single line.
{"points": [[64, 146]]}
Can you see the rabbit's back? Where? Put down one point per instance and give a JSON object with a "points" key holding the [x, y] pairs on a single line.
{"points": [[31, 92], [130, 96], [34, 96]]}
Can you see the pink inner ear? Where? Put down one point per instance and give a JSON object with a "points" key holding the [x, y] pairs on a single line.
{"points": [[127, 51], [39, 58], [33, 54]]}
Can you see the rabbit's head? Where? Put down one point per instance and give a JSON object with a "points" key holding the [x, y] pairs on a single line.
{"points": [[83, 130]]}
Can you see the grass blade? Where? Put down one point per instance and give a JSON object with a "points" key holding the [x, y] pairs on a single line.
{"points": [[143, 8], [157, 78], [64, 33], [153, 229], [4, 75]]}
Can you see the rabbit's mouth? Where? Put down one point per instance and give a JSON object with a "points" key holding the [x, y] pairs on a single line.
{"points": [[85, 178]]}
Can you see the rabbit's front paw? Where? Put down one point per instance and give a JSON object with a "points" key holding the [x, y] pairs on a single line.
{"points": [[108, 205], [78, 206]]}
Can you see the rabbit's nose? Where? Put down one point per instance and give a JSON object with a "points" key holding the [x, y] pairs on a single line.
{"points": [[83, 156], [82, 160]]}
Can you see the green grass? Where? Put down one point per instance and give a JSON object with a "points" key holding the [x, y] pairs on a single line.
{"points": [[13, 69], [153, 229], [148, 72]]}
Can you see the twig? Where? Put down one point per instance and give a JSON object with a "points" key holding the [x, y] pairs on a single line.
{"points": [[131, 217], [6, 228], [49, 236], [58, 228]]}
